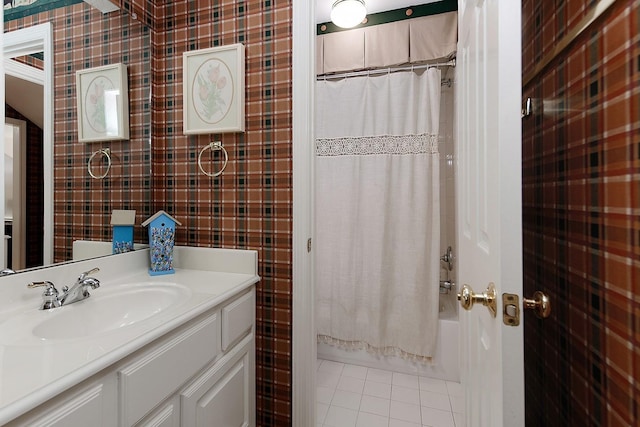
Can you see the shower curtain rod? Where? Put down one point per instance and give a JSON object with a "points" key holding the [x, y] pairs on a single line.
{"points": [[387, 70]]}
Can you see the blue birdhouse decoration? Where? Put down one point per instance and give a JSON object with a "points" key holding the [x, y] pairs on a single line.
{"points": [[162, 232], [122, 222]]}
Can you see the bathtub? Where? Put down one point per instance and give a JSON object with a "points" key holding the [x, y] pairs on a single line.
{"points": [[444, 365]]}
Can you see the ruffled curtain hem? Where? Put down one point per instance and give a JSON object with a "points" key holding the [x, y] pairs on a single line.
{"points": [[376, 351]]}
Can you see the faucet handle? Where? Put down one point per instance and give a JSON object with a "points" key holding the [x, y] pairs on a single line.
{"points": [[50, 295], [86, 273], [46, 283]]}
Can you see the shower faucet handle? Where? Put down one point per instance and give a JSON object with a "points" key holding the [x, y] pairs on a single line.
{"points": [[447, 258]]}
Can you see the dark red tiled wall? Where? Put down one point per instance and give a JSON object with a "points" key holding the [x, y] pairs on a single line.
{"points": [[581, 207]]}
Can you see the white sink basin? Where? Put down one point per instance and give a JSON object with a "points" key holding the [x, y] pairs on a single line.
{"points": [[108, 309]]}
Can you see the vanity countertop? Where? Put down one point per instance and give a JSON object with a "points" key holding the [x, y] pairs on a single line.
{"points": [[35, 370]]}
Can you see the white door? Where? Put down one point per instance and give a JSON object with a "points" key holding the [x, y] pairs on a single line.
{"points": [[488, 79]]}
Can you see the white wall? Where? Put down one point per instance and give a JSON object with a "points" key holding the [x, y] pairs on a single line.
{"points": [[447, 183], [8, 171]]}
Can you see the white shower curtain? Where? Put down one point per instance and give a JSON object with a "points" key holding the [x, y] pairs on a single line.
{"points": [[377, 212]]}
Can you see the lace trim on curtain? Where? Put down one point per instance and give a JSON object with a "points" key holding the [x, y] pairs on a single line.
{"points": [[377, 351], [387, 144]]}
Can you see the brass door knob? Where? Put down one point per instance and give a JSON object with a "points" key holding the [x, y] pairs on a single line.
{"points": [[488, 298], [540, 304]]}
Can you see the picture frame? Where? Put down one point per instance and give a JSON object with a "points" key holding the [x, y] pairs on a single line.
{"points": [[103, 103], [213, 90]]}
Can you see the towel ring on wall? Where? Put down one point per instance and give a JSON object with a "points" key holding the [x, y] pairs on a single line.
{"points": [[213, 146], [103, 152]]}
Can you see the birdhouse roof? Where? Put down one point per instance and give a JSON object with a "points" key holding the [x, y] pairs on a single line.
{"points": [[158, 215], [123, 217]]}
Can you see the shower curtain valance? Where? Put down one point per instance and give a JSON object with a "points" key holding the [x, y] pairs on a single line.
{"points": [[424, 39]]}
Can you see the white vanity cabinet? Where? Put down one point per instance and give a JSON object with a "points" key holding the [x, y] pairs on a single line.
{"points": [[200, 374], [88, 404]]}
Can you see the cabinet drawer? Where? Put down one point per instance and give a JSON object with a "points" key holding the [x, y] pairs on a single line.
{"points": [[237, 319], [162, 369]]}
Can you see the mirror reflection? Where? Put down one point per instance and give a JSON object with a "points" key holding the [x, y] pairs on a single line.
{"points": [[51, 200], [23, 161]]}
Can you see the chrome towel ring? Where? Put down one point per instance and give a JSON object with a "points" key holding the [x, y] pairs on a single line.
{"points": [[213, 146], [103, 152]]}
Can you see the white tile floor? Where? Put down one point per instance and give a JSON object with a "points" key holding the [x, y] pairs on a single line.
{"points": [[356, 396]]}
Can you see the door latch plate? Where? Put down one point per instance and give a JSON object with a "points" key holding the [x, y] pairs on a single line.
{"points": [[510, 309]]}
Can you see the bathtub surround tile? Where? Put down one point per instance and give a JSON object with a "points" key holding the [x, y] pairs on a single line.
{"points": [[379, 375], [406, 395], [350, 384], [457, 404], [435, 400], [355, 371], [437, 418], [321, 412], [399, 423], [371, 420], [340, 417], [375, 405], [376, 389], [433, 385], [405, 380], [346, 399], [405, 412], [458, 419], [455, 389], [324, 394]]}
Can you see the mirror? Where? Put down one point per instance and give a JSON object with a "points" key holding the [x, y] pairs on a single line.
{"points": [[82, 206]]}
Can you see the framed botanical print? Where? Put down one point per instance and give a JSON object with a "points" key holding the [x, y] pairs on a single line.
{"points": [[103, 103], [213, 90]]}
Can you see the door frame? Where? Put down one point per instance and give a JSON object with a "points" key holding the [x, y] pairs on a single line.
{"points": [[18, 230], [303, 344]]}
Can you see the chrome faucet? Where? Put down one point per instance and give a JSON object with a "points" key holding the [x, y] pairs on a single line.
{"points": [[51, 298]]}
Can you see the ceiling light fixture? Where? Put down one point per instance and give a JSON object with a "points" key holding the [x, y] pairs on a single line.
{"points": [[348, 13]]}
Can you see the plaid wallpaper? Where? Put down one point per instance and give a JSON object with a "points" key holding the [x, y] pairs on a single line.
{"points": [[581, 206], [250, 204]]}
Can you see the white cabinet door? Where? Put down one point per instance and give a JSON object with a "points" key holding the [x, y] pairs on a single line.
{"points": [[93, 404], [167, 415], [160, 370], [224, 395]]}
